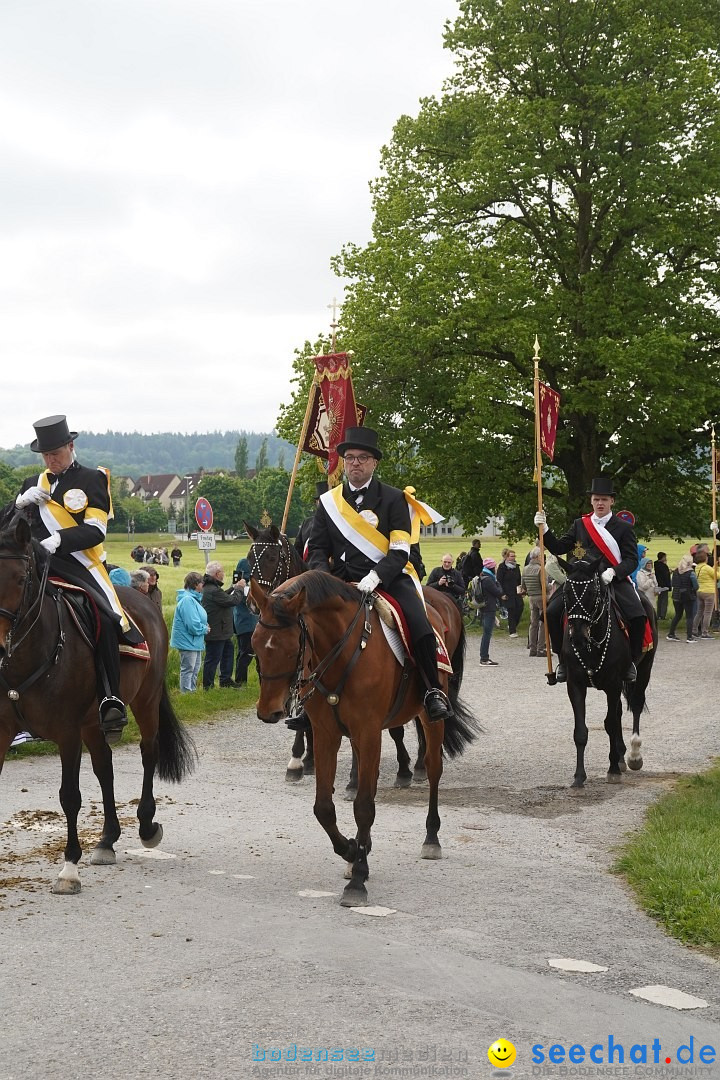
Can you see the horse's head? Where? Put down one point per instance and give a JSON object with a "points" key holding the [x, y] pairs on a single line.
{"points": [[16, 557], [279, 644], [272, 557], [584, 595]]}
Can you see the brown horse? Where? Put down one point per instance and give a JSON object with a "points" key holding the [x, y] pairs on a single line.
{"points": [[355, 686], [274, 560], [47, 679]]}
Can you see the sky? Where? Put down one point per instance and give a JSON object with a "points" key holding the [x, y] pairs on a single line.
{"points": [[176, 177]]}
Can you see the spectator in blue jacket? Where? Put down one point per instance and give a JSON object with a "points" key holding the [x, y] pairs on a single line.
{"points": [[190, 625], [244, 622]]}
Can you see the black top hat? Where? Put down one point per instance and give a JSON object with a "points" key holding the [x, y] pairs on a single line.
{"points": [[360, 438], [52, 432], [320, 488], [602, 485]]}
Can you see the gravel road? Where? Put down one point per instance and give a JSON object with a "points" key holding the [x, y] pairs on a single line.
{"points": [[199, 962]]}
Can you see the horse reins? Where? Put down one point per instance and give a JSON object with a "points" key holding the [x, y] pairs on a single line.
{"points": [[16, 620]]}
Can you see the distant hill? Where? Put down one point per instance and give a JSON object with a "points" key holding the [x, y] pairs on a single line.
{"points": [[132, 454]]}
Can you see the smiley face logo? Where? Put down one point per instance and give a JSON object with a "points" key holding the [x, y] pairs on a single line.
{"points": [[501, 1054]]}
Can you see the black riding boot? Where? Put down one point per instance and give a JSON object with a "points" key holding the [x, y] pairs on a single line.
{"points": [[554, 630], [436, 702], [636, 632], [113, 715]]}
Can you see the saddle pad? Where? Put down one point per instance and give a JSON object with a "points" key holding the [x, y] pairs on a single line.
{"points": [[395, 629], [71, 594]]}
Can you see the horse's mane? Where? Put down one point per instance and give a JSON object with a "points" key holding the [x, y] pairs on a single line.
{"points": [[9, 516], [319, 587]]}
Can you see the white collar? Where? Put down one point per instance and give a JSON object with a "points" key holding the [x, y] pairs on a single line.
{"points": [[601, 521]]}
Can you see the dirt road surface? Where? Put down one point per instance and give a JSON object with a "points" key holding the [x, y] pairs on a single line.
{"points": [[225, 953]]}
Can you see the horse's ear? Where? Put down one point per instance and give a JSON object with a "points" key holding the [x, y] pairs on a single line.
{"points": [[594, 566], [250, 530], [563, 563], [23, 536], [295, 604], [258, 594], [275, 533]]}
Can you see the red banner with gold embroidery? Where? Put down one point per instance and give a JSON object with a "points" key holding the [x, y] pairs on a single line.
{"points": [[549, 409], [334, 409]]}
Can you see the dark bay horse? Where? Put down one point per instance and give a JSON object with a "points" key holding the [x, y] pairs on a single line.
{"points": [[597, 654], [47, 684], [274, 560], [321, 635]]}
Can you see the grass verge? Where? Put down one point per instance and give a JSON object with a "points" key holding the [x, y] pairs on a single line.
{"points": [[673, 863]]}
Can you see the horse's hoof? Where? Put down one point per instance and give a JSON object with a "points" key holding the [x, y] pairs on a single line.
{"points": [[293, 775], [578, 784], [431, 851], [621, 765], [354, 897], [419, 776], [155, 839], [635, 763], [349, 794], [68, 881], [309, 768], [402, 781], [102, 856], [614, 778]]}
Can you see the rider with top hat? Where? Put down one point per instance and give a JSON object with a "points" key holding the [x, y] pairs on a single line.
{"points": [[68, 507], [599, 535], [361, 533]]}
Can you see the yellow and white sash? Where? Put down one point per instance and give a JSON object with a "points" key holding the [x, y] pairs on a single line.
{"points": [[56, 517]]}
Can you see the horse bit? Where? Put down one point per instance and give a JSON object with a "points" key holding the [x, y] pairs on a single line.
{"points": [[575, 593]]}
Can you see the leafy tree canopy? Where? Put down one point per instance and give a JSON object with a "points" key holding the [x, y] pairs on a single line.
{"points": [[565, 185]]}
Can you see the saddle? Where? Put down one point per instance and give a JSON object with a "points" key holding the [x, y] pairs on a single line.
{"points": [[83, 610], [393, 620]]}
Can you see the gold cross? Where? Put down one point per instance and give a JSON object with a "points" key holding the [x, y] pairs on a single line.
{"points": [[579, 551]]}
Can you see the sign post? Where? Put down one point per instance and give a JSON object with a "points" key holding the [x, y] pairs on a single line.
{"points": [[204, 519]]}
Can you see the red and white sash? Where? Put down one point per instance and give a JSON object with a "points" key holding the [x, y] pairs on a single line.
{"points": [[603, 540]]}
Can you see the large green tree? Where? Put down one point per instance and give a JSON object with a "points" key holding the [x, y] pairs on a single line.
{"points": [[565, 184]]}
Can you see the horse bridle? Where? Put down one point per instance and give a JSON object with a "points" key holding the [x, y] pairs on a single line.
{"points": [[282, 570], [313, 680], [577, 608], [16, 618]]}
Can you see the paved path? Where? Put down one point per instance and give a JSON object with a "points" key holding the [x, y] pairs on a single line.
{"points": [[192, 964]]}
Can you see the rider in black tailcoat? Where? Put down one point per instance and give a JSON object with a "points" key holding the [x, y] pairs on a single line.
{"points": [[361, 533], [600, 535]]}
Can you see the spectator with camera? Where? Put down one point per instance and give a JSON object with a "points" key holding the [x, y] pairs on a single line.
{"points": [[447, 579]]}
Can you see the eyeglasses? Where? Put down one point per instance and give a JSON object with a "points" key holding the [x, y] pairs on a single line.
{"points": [[359, 459]]}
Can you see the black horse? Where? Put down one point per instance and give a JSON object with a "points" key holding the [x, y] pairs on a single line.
{"points": [[274, 560], [596, 653]]}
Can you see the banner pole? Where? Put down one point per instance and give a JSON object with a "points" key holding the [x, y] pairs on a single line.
{"points": [[714, 518], [301, 443], [541, 531]]}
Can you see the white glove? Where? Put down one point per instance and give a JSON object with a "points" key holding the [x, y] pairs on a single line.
{"points": [[34, 496], [607, 575], [714, 526], [369, 582], [51, 543], [540, 519]]}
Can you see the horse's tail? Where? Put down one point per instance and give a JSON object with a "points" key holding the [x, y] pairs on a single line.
{"points": [[458, 665], [177, 755], [461, 730]]}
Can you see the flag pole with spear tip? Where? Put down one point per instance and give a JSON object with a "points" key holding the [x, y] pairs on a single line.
{"points": [[714, 517], [550, 674]]}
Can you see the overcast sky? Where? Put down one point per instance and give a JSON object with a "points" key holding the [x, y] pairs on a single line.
{"points": [[176, 176]]}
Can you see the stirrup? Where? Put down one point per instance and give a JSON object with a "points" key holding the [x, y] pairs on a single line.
{"points": [[437, 705], [561, 673], [113, 718]]}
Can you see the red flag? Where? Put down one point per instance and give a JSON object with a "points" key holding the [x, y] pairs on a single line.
{"points": [[333, 410], [549, 409]]}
